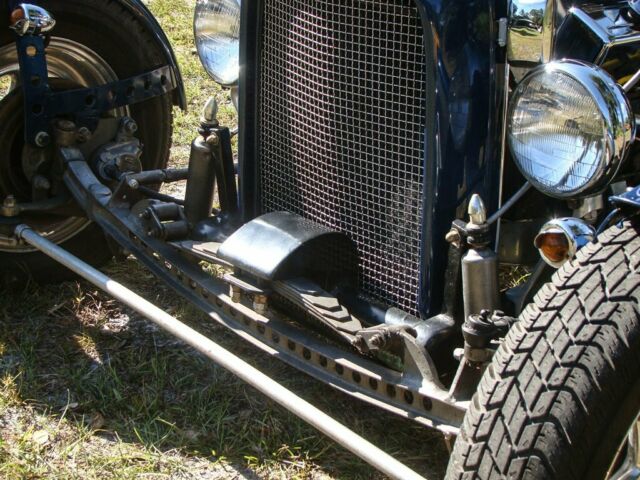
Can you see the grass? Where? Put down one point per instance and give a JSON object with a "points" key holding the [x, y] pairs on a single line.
{"points": [[90, 390], [176, 16]]}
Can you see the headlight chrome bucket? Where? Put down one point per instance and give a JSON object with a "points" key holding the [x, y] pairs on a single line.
{"points": [[216, 27], [570, 127]]}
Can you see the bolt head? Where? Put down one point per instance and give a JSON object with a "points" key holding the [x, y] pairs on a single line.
{"points": [[133, 183], [130, 126], [213, 139], [42, 139], [235, 294], [84, 134], [452, 236], [9, 201]]}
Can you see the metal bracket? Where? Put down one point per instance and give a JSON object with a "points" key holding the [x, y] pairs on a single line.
{"points": [[41, 105], [282, 245], [417, 364]]}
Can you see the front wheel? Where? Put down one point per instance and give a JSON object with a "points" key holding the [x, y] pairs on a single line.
{"points": [[561, 397], [93, 43]]}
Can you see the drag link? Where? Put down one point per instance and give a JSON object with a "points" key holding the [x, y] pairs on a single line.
{"points": [[167, 175], [254, 377]]}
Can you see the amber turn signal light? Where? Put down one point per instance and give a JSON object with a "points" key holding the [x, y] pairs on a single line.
{"points": [[559, 239], [553, 245]]}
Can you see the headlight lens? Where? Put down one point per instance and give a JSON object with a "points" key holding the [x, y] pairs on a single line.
{"points": [[570, 126], [217, 34]]}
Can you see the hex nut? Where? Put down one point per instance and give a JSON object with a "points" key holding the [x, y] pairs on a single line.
{"points": [[260, 304], [83, 135]]}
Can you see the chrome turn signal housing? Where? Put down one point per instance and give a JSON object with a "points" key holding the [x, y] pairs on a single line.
{"points": [[559, 239]]}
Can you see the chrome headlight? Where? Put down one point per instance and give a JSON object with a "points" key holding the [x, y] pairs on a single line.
{"points": [[216, 27], [570, 126]]}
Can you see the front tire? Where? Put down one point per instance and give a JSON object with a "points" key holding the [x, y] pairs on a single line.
{"points": [[563, 389], [128, 48]]}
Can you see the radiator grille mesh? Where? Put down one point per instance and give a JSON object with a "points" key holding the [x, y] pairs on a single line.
{"points": [[342, 121]]}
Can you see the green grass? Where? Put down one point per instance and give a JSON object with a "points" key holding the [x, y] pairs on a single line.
{"points": [[90, 390], [118, 398], [5, 83], [176, 18]]}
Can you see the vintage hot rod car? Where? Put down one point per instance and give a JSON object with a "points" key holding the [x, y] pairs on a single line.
{"points": [[394, 157]]}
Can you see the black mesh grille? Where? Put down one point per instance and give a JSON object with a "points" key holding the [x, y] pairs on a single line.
{"points": [[342, 121]]}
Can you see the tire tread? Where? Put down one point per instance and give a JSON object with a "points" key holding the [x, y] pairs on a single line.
{"points": [[543, 393]]}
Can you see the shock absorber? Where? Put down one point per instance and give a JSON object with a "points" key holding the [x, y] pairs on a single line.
{"points": [[198, 200], [479, 263]]}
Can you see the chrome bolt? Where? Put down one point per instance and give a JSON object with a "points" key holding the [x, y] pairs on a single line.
{"points": [[458, 353], [133, 183], [377, 340], [260, 304], [235, 293], [42, 139]]}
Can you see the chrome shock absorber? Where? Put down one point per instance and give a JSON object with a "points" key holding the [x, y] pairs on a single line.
{"points": [[479, 263]]}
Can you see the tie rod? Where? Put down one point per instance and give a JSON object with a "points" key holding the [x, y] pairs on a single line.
{"points": [[254, 377]]}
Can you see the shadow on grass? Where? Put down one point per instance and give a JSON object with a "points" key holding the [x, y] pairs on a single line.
{"points": [[74, 350]]}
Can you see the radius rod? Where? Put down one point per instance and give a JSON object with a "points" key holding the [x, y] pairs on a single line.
{"points": [[254, 377]]}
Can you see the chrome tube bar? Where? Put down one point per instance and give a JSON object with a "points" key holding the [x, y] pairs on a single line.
{"points": [[254, 377], [629, 84]]}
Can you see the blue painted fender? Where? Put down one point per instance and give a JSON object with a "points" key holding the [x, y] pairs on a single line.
{"points": [[629, 198]]}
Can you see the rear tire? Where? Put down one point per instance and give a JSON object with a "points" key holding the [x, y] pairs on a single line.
{"points": [[563, 389], [113, 33]]}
